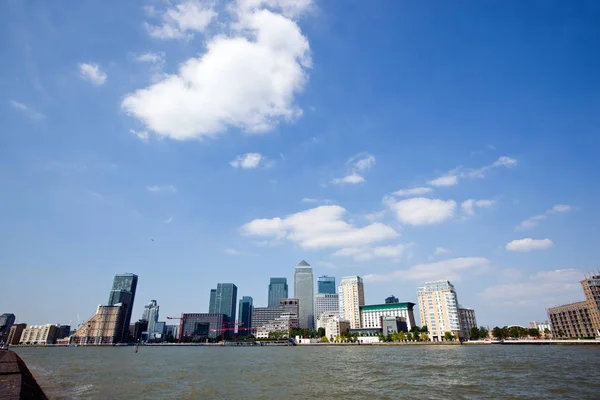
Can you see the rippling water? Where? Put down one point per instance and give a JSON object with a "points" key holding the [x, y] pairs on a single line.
{"points": [[327, 372]]}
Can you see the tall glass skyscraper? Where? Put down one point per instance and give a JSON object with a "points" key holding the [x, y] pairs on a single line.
{"points": [[213, 299], [226, 300], [245, 316], [304, 291], [278, 289], [326, 285], [123, 291], [151, 315]]}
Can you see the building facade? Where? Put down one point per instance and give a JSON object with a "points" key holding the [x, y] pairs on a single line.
{"points": [[264, 315], [226, 300], [571, 321], [392, 324], [201, 327], [591, 290], [334, 326], [326, 285], [304, 292], [39, 334], [106, 327], [14, 334], [351, 293], [371, 315], [213, 301], [150, 314], [278, 289], [63, 331], [438, 306], [326, 303], [281, 325], [6, 321], [123, 292], [467, 321], [245, 316]]}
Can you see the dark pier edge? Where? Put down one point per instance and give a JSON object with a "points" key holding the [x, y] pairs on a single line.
{"points": [[16, 382]]}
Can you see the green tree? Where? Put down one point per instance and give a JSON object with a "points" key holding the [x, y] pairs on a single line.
{"points": [[395, 337], [474, 333], [401, 336], [483, 333], [546, 333], [514, 332], [424, 329], [534, 332], [381, 337], [448, 336], [320, 332], [424, 336], [560, 333], [324, 339]]}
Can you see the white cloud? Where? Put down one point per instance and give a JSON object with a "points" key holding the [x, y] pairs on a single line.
{"points": [[528, 244], [422, 211], [168, 220], [376, 216], [318, 228], [251, 161], [352, 179], [450, 269], [164, 188], [446, 180], [289, 8], [505, 162], [93, 73], [418, 191], [360, 254], [232, 252], [532, 222], [142, 135], [468, 206], [152, 58], [182, 20], [34, 115], [247, 80]]}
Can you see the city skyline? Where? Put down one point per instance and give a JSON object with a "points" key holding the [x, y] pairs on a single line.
{"points": [[420, 147]]}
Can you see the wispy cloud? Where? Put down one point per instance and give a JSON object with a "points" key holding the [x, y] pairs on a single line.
{"points": [[468, 206], [532, 222], [251, 161], [452, 177], [529, 244], [32, 114], [356, 165], [417, 191], [161, 189], [451, 269], [310, 200], [440, 251], [422, 211], [142, 135], [183, 20], [168, 220], [92, 73]]}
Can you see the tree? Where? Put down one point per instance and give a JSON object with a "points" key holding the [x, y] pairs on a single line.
{"points": [[320, 332], [498, 333], [560, 333], [381, 337], [424, 329], [448, 336], [395, 337], [424, 336], [534, 332], [483, 333], [324, 339], [514, 332], [401, 336], [474, 333], [546, 333]]}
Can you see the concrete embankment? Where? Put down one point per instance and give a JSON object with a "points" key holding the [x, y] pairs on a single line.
{"points": [[574, 342], [16, 382]]}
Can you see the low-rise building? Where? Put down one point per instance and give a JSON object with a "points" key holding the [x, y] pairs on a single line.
{"points": [[14, 334], [201, 326], [366, 335], [467, 321], [391, 325], [39, 334], [334, 326], [571, 320], [264, 315], [371, 315], [281, 324]]}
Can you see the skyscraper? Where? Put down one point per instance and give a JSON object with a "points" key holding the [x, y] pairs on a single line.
{"points": [[438, 307], [351, 293], [151, 315], [245, 316], [278, 289], [326, 284], [304, 291], [123, 292], [213, 299], [225, 300], [6, 321]]}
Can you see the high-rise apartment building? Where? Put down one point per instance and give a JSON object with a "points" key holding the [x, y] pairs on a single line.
{"points": [[351, 294], [151, 315], [123, 292], [467, 321], [213, 300], [304, 291], [591, 290], [438, 306], [326, 284], [326, 303], [278, 289], [245, 316]]}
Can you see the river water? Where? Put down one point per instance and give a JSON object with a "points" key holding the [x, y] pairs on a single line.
{"points": [[318, 372]]}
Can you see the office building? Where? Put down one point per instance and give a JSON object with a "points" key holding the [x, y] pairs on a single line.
{"points": [[39, 334], [392, 299], [278, 289], [106, 327], [392, 324], [245, 316], [334, 326], [140, 329], [6, 321], [213, 301], [264, 315], [123, 292], [326, 285], [150, 314], [304, 291], [201, 327], [280, 325], [226, 300], [438, 306], [14, 334], [351, 293], [467, 321], [171, 331], [159, 330], [63, 331], [372, 315], [326, 303]]}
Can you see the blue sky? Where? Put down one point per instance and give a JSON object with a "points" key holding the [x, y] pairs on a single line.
{"points": [[244, 137]]}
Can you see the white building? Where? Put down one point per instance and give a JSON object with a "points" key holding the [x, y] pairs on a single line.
{"points": [[333, 324], [150, 314], [467, 321], [325, 303], [371, 315], [351, 296], [438, 307], [281, 324]]}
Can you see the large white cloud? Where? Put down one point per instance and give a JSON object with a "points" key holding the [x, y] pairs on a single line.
{"points": [[318, 228], [422, 211], [529, 244], [450, 269], [247, 79]]}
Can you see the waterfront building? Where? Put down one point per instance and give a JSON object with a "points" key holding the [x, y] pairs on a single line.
{"points": [[351, 293], [278, 289], [393, 324], [245, 316], [39, 334], [226, 300], [438, 306], [371, 315], [326, 285], [304, 291], [123, 292], [171, 331], [150, 314], [264, 315], [14, 334], [392, 299], [467, 321], [540, 326], [201, 327], [213, 301], [159, 330], [106, 327], [6, 321], [281, 324], [139, 328], [326, 303], [334, 326], [591, 291], [366, 335], [63, 331]]}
